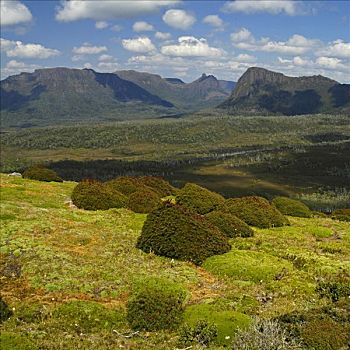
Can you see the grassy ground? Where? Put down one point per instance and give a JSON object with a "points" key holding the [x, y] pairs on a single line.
{"points": [[52, 254]]}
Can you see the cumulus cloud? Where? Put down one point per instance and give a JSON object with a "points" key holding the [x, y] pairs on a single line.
{"points": [[332, 63], [101, 25], [101, 10], [242, 35], [21, 50], [214, 21], [162, 36], [14, 12], [243, 57], [179, 19], [288, 7], [108, 66], [88, 49], [337, 48], [106, 58], [191, 46], [15, 67], [140, 45], [142, 27]]}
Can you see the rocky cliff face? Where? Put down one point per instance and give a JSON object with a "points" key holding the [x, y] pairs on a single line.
{"points": [[260, 91]]}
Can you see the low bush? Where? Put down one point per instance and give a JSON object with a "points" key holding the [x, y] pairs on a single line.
{"points": [[229, 224], [94, 195], [334, 290], [13, 341], [264, 335], [255, 211], [143, 201], [5, 311], [202, 333], [292, 207], [198, 199], [175, 232], [155, 304], [124, 184], [41, 173], [158, 185], [341, 215]]}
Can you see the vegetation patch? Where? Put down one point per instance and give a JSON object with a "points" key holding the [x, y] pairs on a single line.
{"points": [[41, 173], [175, 232], [291, 207], [341, 215], [94, 195], [229, 225], [155, 304], [226, 321], [14, 341], [203, 333], [255, 211], [158, 185], [143, 201], [5, 311], [124, 184], [247, 266], [198, 199]]}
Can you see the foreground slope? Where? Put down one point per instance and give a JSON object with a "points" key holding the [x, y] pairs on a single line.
{"points": [[260, 91]]}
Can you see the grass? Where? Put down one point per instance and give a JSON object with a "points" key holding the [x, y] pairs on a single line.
{"points": [[68, 272]]}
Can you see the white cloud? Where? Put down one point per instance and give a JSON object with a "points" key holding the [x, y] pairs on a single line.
{"points": [[142, 27], [243, 57], [332, 63], [116, 28], [289, 7], [88, 49], [108, 66], [15, 67], [140, 45], [337, 48], [101, 25], [179, 19], [106, 58], [162, 36], [242, 34], [213, 20], [104, 9], [191, 46], [14, 12], [18, 49]]}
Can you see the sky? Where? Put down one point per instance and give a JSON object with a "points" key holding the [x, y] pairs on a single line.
{"points": [[180, 39]]}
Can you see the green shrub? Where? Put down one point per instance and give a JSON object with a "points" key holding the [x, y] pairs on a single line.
{"points": [[13, 341], [202, 333], [264, 335], [333, 290], [227, 322], [292, 207], [125, 185], [319, 214], [158, 185], [198, 199], [156, 304], [255, 211], [93, 195], [87, 316], [341, 215], [175, 232], [41, 173], [5, 311], [143, 201], [229, 224]]}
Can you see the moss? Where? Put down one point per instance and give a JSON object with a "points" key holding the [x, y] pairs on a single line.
{"points": [[5, 311], [291, 207], [226, 321], [203, 333], [229, 224], [13, 341], [247, 266], [255, 211], [155, 304], [41, 173], [320, 232], [198, 199], [143, 201], [175, 232], [93, 195], [87, 316], [158, 185], [31, 312]]}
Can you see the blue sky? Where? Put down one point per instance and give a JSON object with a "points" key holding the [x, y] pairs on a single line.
{"points": [[178, 38]]}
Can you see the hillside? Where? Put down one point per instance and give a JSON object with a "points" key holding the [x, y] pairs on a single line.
{"points": [[68, 273], [206, 91], [263, 92], [59, 95]]}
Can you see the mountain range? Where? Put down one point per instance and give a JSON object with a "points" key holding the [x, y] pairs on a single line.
{"points": [[63, 95]]}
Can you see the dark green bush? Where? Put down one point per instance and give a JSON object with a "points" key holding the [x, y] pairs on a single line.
{"points": [[292, 207], [341, 215], [229, 224], [143, 201], [255, 211], [203, 333], [333, 290], [125, 185], [175, 232], [158, 185], [14, 341], [198, 199], [94, 195], [156, 304], [5, 311], [41, 173]]}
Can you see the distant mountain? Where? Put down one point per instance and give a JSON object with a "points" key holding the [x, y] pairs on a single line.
{"points": [[207, 91], [57, 94], [260, 92]]}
